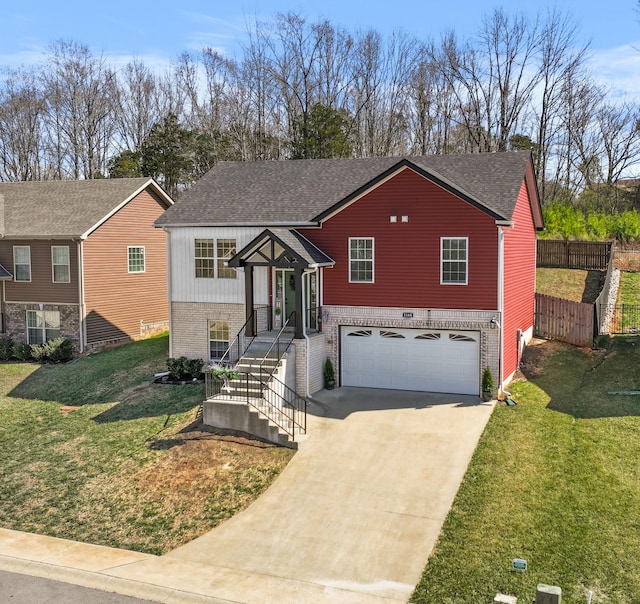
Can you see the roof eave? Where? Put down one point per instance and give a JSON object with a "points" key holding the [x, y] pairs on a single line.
{"points": [[259, 225]]}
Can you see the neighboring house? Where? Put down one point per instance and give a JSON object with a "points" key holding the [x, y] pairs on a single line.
{"points": [[82, 259], [409, 273]]}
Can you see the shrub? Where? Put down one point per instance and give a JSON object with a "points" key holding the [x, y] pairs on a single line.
{"points": [[182, 368], [487, 380], [599, 226], [58, 350], [22, 351], [627, 226], [175, 366], [6, 348], [193, 367], [329, 372], [38, 353]]}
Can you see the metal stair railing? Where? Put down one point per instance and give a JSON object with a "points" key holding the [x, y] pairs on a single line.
{"points": [[280, 347], [271, 398], [241, 342]]}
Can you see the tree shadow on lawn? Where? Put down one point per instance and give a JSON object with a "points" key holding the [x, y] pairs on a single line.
{"points": [[48, 383], [581, 382], [153, 400]]}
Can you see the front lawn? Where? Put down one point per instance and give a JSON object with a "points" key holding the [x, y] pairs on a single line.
{"points": [[95, 452], [554, 480]]}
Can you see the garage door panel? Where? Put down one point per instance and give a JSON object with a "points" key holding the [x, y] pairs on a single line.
{"points": [[411, 359]]}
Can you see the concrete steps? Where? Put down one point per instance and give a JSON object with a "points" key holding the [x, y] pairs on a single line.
{"points": [[243, 406]]}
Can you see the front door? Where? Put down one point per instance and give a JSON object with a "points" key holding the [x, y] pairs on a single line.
{"points": [[285, 296]]}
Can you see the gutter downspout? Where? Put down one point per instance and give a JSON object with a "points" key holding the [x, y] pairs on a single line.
{"points": [[82, 309], [306, 337], [169, 292], [501, 303]]}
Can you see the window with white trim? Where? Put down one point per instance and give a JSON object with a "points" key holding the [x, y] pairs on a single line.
{"points": [[218, 339], [361, 260], [22, 262], [136, 259], [60, 264], [226, 249], [454, 253], [42, 326], [211, 256]]}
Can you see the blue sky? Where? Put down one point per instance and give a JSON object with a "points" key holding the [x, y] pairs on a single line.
{"points": [[159, 31]]}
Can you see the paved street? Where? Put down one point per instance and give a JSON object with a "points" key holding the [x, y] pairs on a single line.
{"points": [[23, 589]]}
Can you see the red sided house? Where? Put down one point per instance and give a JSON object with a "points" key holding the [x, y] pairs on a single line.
{"points": [[408, 273], [82, 259]]}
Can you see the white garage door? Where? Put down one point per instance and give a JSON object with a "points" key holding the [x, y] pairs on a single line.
{"points": [[411, 359]]}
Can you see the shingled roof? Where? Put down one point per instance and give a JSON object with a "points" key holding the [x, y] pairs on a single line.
{"points": [[64, 208], [297, 192]]}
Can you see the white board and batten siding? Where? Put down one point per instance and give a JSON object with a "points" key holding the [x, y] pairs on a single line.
{"points": [[430, 360], [184, 285]]}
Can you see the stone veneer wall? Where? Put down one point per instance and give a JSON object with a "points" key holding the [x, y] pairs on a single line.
{"points": [[462, 320], [190, 326], [16, 320]]}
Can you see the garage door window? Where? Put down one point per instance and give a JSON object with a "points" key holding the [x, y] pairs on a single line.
{"points": [[428, 336], [456, 337]]}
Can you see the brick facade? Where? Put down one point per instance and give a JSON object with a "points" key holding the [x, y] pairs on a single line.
{"points": [[190, 326], [15, 320]]}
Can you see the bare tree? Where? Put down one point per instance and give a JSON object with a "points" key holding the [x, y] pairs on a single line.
{"points": [[22, 107], [137, 105], [380, 93], [80, 91]]}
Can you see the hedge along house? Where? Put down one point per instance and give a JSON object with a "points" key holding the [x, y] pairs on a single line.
{"points": [[82, 259], [408, 273]]}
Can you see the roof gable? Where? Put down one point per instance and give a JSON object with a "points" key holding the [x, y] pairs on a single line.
{"points": [[304, 192], [66, 208], [281, 247]]}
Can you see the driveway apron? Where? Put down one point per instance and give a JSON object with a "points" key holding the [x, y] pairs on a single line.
{"points": [[356, 513]]}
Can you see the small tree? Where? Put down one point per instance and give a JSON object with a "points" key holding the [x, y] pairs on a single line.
{"points": [[321, 133]]}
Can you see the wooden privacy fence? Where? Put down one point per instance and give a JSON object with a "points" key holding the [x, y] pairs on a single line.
{"points": [[587, 255], [564, 320]]}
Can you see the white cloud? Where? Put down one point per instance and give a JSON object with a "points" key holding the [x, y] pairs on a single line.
{"points": [[222, 35], [618, 69]]}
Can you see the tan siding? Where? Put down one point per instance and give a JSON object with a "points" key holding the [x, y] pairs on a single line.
{"points": [[116, 300], [41, 288]]}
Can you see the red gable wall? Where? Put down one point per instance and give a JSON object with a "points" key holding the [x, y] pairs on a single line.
{"points": [[519, 279], [407, 255]]}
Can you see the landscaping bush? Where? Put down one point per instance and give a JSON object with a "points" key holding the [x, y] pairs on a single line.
{"points": [[175, 366], [193, 367], [182, 368], [38, 353], [6, 348], [22, 351], [59, 350]]}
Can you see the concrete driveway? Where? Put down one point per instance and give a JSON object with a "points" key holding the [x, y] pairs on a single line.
{"points": [[355, 515], [352, 519]]}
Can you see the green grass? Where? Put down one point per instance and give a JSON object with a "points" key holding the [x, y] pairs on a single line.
{"points": [[629, 292], [554, 480], [570, 284], [128, 467]]}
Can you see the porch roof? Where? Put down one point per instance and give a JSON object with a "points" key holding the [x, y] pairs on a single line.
{"points": [[285, 248], [4, 273]]}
